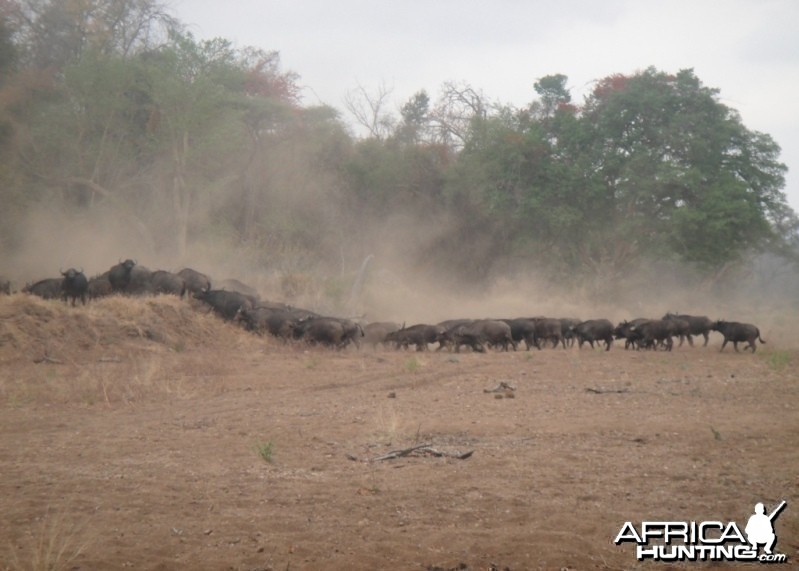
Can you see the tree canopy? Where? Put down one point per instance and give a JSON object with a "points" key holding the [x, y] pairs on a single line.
{"points": [[111, 104]]}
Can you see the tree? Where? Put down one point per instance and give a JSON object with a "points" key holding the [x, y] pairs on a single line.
{"points": [[681, 171], [369, 110], [553, 92], [651, 167], [455, 113], [54, 33], [415, 116]]}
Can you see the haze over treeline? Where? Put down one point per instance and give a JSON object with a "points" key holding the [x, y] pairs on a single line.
{"points": [[122, 135]]}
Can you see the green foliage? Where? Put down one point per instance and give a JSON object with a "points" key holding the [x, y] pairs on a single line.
{"points": [[197, 139], [265, 450], [412, 365], [653, 165], [778, 360]]}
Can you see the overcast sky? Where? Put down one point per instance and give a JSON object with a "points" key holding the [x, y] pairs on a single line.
{"points": [[748, 49]]}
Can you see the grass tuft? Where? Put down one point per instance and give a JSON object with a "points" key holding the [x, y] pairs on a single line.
{"points": [[412, 365], [54, 546], [265, 450], [779, 360]]}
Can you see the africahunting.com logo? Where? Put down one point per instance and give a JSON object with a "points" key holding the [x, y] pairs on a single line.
{"points": [[706, 540]]}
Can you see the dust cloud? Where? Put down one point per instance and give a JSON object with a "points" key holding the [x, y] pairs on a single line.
{"points": [[404, 280]]}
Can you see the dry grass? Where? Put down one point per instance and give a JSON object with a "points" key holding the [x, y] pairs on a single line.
{"points": [[53, 543], [116, 350]]}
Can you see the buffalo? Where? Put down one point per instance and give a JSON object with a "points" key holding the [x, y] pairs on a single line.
{"points": [[5, 286], [680, 328], [630, 332], [697, 325], [654, 332], [119, 275], [330, 331], [420, 335], [231, 284], [226, 304], [567, 325], [165, 282], [195, 281], [522, 329], [492, 332], [99, 286], [130, 278], [284, 323], [254, 318], [547, 329], [74, 286], [738, 332], [446, 329], [49, 288], [594, 330]]}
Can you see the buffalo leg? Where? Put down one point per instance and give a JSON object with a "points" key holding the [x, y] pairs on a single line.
{"points": [[724, 344]]}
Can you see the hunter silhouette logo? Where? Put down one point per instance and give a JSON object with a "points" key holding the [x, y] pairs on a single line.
{"points": [[759, 528], [706, 540]]}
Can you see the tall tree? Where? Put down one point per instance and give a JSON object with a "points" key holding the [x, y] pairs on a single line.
{"points": [[652, 166], [681, 171], [54, 33]]}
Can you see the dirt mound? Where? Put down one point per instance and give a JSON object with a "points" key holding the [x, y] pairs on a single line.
{"points": [[35, 329], [116, 350]]}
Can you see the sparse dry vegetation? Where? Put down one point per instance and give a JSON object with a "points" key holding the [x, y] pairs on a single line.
{"points": [[54, 543], [116, 350], [148, 454], [132, 429]]}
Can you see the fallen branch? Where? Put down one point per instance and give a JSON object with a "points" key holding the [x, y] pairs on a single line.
{"points": [[399, 453], [423, 450], [603, 391], [46, 359], [502, 386]]}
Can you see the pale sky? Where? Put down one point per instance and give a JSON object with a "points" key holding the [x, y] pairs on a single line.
{"points": [[748, 49]]}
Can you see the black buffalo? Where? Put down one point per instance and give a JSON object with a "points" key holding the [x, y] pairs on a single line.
{"points": [[594, 330], [279, 321], [226, 304], [547, 329], [738, 332], [522, 329], [165, 282], [697, 325], [254, 319], [74, 286], [630, 332], [231, 284], [446, 329], [330, 331], [130, 278], [5, 286], [654, 332], [420, 335], [567, 325], [49, 288], [195, 281], [99, 286], [492, 332], [285, 323]]}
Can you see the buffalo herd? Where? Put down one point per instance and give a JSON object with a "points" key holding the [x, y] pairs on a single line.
{"points": [[237, 302]]}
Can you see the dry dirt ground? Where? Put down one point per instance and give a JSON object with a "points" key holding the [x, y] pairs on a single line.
{"points": [[146, 435]]}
